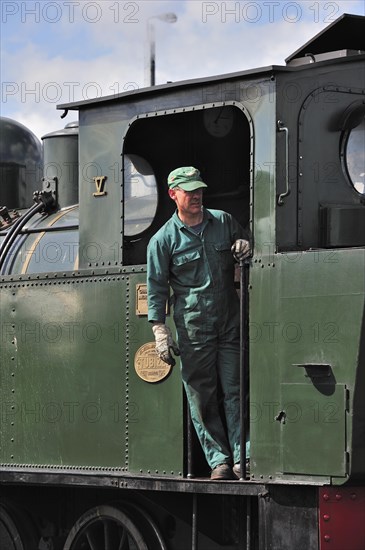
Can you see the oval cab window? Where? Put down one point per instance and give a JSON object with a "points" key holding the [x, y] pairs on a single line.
{"points": [[140, 195], [355, 157]]}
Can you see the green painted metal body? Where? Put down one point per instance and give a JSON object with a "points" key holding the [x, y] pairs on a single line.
{"points": [[306, 301], [70, 395], [306, 310]]}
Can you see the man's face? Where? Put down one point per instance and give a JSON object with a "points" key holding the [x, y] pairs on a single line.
{"points": [[187, 202]]}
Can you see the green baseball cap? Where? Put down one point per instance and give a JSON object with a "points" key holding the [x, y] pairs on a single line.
{"points": [[187, 178]]}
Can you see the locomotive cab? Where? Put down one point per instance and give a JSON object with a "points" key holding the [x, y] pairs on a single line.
{"points": [[217, 138]]}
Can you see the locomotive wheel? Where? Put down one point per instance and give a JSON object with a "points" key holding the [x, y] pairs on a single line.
{"points": [[16, 532], [105, 528], [146, 524]]}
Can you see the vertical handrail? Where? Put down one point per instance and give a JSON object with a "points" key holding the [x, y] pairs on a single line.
{"points": [[189, 434], [283, 128], [194, 523], [244, 265], [249, 540]]}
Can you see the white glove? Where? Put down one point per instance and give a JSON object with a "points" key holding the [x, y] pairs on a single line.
{"points": [[164, 343], [241, 249]]}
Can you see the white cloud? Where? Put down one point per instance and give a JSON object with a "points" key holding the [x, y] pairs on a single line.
{"points": [[45, 63]]}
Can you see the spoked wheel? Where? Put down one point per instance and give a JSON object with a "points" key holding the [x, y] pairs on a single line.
{"points": [[147, 526], [105, 528], [16, 531]]}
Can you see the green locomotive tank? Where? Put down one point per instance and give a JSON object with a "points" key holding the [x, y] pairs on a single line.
{"points": [[96, 447]]}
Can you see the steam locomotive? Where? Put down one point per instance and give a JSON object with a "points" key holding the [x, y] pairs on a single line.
{"points": [[96, 446]]}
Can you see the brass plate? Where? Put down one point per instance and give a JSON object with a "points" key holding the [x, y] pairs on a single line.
{"points": [[141, 299], [148, 365]]}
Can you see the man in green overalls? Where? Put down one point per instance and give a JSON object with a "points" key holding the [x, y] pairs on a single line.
{"points": [[193, 253]]}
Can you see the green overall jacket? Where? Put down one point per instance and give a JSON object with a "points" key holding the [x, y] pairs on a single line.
{"points": [[191, 264]]}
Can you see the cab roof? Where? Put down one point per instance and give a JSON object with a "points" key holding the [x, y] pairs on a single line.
{"points": [[347, 32]]}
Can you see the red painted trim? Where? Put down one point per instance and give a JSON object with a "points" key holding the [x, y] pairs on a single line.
{"points": [[341, 515]]}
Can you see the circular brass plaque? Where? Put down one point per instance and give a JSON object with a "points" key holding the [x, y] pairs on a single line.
{"points": [[148, 365]]}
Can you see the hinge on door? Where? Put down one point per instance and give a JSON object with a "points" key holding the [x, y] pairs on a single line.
{"points": [[347, 400], [347, 409], [347, 462]]}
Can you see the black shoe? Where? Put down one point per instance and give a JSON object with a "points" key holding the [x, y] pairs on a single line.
{"points": [[222, 471]]}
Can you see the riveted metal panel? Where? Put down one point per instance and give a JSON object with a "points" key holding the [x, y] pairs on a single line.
{"points": [[322, 180], [341, 513], [306, 309], [312, 104], [100, 181], [313, 428], [155, 426], [63, 383]]}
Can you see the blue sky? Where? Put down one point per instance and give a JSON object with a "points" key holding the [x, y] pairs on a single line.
{"points": [[54, 52]]}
